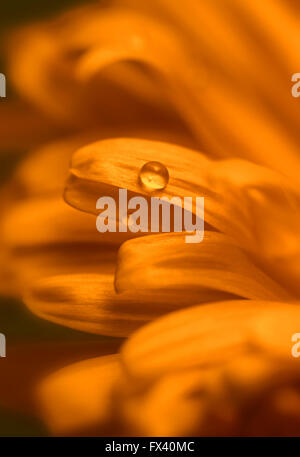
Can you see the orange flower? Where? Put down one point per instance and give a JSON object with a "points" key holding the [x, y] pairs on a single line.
{"points": [[155, 82], [159, 273], [222, 369]]}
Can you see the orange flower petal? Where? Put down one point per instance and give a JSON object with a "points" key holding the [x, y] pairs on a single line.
{"points": [[79, 396], [197, 337], [166, 262]]}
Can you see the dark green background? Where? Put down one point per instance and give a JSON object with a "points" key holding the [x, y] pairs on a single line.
{"points": [[14, 12], [18, 324]]}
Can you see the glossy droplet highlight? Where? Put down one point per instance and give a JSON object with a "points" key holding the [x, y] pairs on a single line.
{"points": [[154, 176]]}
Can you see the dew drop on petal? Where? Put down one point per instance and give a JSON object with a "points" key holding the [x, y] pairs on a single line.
{"points": [[154, 176]]}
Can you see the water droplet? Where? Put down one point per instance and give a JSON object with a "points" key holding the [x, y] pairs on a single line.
{"points": [[154, 176]]}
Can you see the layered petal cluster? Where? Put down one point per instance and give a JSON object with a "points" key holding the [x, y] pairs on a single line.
{"points": [[186, 364], [221, 69], [203, 90], [221, 369]]}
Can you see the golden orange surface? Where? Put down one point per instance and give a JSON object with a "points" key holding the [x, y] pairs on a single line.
{"points": [[198, 337]]}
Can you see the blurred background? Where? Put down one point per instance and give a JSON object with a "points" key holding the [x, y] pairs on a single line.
{"points": [[219, 81], [21, 328]]}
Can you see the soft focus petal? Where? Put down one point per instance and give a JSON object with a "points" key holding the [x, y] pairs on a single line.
{"points": [[94, 60], [247, 77], [201, 336], [23, 127], [90, 303], [80, 396], [44, 237], [251, 395], [167, 262]]}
